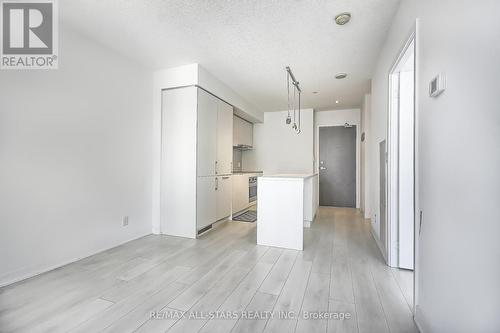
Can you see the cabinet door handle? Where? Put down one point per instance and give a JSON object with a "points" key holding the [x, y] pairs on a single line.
{"points": [[226, 177], [216, 184], [215, 167]]}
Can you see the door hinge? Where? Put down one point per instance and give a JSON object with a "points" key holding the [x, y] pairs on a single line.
{"points": [[420, 223]]}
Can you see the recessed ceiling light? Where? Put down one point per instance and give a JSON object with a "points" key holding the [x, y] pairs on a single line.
{"points": [[340, 76], [337, 102], [342, 18]]}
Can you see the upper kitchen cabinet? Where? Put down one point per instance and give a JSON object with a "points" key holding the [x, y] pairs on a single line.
{"points": [[224, 138], [207, 134], [242, 133], [215, 133]]}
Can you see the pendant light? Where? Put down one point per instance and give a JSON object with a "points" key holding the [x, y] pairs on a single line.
{"points": [[293, 103]]}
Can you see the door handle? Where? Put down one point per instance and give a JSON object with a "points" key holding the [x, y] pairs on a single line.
{"points": [[322, 168]]}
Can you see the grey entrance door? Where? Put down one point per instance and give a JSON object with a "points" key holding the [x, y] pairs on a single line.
{"points": [[337, 166]]}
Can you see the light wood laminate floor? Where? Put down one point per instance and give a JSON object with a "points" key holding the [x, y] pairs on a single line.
{"points": [[340, 271]]}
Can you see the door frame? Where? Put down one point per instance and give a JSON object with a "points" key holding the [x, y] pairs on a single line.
{"points": [[358, 157], [392, 163]]}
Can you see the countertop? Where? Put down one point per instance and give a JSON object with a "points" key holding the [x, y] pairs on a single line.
{"points": [[291, 175], [245, 172]]}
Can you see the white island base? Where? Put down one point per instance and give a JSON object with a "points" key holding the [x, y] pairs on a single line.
{"points": [[287, 204]]}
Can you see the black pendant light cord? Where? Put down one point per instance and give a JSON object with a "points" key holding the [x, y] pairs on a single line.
{"points": [[296, 90], [288, 92], [299, 130]]}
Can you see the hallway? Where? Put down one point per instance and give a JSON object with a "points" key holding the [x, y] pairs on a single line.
{"points": [[340, 270]]}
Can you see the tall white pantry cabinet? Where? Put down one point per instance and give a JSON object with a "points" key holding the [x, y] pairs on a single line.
{"points": [[196, 160]]}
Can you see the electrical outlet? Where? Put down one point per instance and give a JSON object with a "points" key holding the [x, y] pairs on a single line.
{"points": [[125, 221]]}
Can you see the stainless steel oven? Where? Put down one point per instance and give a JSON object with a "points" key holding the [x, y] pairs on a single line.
{"points": [[252, 189]]}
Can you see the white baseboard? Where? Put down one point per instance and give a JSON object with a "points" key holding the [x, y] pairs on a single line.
{"points": [[420, 321], [377, 240], [32, 272]]}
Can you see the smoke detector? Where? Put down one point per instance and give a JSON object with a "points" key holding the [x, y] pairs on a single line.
{"points": [[342, 18], [340, 76]]}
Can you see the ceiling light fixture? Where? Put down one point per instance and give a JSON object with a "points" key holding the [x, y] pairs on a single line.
{"points": [[292, 103], [342, 18], [340, 76]]}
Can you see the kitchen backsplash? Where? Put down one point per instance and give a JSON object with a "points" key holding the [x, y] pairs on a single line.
{"points": [[237, 157]]}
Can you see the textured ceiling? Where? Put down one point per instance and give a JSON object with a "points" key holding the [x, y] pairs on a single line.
{"points": [[247, 44]]}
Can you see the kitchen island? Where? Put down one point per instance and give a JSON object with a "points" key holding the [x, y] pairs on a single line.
{"points": [[287, 204]]}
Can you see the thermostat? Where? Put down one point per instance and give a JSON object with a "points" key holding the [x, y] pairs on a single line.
{"points": [[437, 85]]}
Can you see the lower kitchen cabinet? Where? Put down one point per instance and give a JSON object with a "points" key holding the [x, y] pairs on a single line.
{"points": [[240, 192], [223, 189], [206, 201], [213, 199]]}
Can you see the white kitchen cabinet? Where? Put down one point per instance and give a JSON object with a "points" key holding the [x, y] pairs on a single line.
{"points": [[197, 148], [215, 135], [242, 132], [236, 130], [223, 197], [240, 192], [246, 133], [207, 133], [178, 162], [206, 201], [224, 138]]}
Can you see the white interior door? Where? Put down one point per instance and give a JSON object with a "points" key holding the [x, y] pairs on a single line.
{"points": [[178, 162], [224, 138], [400, 245], [207, 134], [406, 163]]}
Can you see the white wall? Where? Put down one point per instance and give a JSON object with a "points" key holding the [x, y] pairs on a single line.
{"points": [[277, 147], [458, 158], [365, 157], [339, 118], [75, 157], [242, 107]]}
